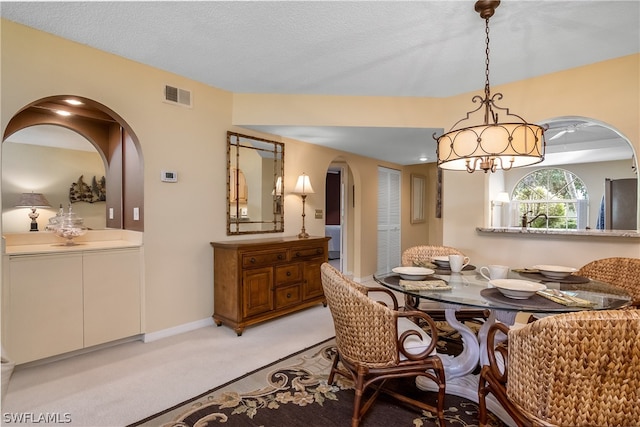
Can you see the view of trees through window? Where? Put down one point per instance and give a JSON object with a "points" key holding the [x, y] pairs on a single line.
{"points": [[556, 193]]}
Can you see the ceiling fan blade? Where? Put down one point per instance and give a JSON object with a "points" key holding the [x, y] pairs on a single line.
{"points": [[557, 135]]}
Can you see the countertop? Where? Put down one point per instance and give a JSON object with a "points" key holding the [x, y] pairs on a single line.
{"points": [[43, 242], [545, 231]]}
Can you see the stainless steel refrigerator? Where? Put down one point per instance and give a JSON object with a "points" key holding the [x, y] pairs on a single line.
{"points": [[621, 204]]}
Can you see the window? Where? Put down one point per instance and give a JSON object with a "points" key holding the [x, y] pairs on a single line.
{"points": [[556, 198]]}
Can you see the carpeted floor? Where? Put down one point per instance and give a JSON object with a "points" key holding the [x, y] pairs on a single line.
{"points": [[294, 392]]}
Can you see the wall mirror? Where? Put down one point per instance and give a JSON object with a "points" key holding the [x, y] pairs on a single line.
{"points": [[255, 185]]}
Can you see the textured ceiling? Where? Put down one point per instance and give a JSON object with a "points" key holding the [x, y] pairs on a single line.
{"points": [[379, 48]]}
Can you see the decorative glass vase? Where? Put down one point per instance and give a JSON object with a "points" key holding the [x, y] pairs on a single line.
{"points": [[70, 226]]}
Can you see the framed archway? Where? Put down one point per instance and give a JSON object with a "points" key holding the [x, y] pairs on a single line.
{"points": [[113, 139]]}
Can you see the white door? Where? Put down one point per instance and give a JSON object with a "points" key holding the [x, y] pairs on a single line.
{"points": [[388, 219]]}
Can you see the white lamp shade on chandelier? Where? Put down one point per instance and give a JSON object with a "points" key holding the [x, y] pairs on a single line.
{"points": [[508, 144]]}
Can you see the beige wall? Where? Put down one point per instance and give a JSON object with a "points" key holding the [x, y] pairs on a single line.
{"points": [[191, 141]]}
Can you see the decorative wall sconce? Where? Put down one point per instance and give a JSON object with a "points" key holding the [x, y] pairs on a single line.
{"points": [[490, 145], [502, 197], [33, 201], [303, 187]]}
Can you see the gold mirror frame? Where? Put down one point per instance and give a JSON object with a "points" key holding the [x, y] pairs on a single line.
{"points": [[255, 185]]}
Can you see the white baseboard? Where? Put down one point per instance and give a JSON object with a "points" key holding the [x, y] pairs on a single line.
{"points": [[153, 336]]}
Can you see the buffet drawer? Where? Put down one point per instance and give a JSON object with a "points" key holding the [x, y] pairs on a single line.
{"points": [[260, 259], [289, 295], [290, 273], [307, 252]]}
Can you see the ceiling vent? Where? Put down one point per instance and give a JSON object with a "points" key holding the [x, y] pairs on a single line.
{"points": [[174, 95]]}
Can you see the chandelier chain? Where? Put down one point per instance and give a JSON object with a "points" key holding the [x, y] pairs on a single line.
{"points": [[486, 71]]}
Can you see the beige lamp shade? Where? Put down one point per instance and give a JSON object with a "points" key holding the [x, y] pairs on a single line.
{"points": [[491, 146], [303, 186], [277, 191], [502, 197], [33, 200]]}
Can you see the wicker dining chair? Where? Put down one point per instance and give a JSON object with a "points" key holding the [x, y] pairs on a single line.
{"points": [[376, 343], [419, 256], [573, 369], [617, 271]]}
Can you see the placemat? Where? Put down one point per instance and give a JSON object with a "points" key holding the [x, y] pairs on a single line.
{"points": [[425, 285], [541, 277], [536, 302], [445, 270]]}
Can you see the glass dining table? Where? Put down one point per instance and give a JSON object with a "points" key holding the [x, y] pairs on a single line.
{"points": [[469, 289]]}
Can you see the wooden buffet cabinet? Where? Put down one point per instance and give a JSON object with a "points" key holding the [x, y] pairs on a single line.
{"points": [[261, 279]]}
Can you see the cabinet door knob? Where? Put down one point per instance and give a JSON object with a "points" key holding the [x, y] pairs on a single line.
{"points": [[289, 295], [280, 256], [298, 254], [318, 251], [288, 273], [253, 260]]}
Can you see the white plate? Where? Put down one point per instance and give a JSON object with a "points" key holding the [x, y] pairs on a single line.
{"points": [[555, 271], [413, 273], [516, 288]]}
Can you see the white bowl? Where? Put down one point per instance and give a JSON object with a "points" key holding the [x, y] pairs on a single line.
{"points": [[555, 271], [441, 261], [413, 273], [516, 288]]}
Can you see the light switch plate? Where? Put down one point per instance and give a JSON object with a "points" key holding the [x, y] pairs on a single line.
{"points": [[318, 213]]}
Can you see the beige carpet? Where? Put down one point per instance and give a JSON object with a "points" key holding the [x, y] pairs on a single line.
{"points": [[122, 384]]}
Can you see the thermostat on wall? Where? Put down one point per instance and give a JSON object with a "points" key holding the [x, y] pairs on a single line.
{"points": [[169, 176]]}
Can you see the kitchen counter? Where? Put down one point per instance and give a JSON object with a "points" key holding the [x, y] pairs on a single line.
{"points": [[46, 242], [545, 231]]}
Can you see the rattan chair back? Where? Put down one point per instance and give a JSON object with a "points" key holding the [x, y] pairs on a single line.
{"points": [[573, 369], [418, 255], [617, 271], [365, 330], [370, 349]]}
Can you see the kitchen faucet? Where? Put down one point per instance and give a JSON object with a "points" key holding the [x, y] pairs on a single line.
{"points": [[526, 221]]}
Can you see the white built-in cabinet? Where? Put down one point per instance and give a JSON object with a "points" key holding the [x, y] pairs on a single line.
{"points": [[59, 302]]}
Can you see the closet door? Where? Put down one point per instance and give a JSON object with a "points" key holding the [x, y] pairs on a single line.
{"points": [[388, 219]]}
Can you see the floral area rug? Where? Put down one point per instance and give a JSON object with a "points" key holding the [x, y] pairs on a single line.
{"points": [[294, 392]]}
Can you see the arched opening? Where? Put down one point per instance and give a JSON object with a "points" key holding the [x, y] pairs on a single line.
{"points": [[54, 128], [591, 149], [339, 214]]}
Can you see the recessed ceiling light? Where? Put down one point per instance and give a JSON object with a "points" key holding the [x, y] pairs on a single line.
{"points": [[73, 102], [63, 113]]}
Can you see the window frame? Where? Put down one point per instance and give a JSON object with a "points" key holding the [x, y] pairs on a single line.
{"points": [[570, 218]]}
